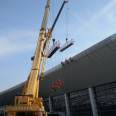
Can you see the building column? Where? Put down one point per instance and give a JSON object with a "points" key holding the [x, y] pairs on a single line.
{"points": [[93, 102], [50, 104], [67, 104]]}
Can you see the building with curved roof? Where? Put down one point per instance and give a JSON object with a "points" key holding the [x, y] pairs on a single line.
{"points": [[94, 68]]}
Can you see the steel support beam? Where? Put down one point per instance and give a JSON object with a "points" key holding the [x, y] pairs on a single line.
{"points": [[67, 104], [50, 104], [93, 102]]}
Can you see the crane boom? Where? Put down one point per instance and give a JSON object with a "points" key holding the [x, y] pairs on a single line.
{"points": [[32, 82]]}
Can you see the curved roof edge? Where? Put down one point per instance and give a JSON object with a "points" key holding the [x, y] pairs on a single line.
{"points": [[12, 88]]}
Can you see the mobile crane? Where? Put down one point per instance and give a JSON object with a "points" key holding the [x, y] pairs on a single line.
{"points": [[29, 103]]}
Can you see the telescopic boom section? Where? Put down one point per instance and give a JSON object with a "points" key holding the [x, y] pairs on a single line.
{"points": [[46, 14], [33, 83]]}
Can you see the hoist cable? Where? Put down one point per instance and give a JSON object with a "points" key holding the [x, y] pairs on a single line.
{"points": [[67, 21]]}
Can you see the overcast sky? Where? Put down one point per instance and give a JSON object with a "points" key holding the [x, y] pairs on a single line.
{"points": [[86, 21]]}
